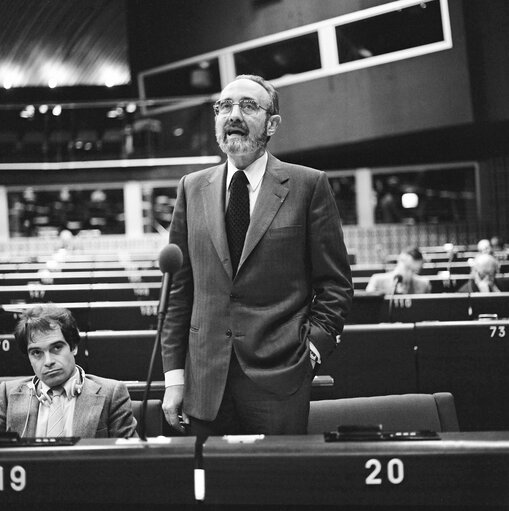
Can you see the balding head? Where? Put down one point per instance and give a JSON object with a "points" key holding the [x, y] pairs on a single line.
{"points": [[484, 247]]}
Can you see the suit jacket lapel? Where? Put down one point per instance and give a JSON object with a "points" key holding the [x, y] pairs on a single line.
{"points": [[213, 204], [20, 402], [88, 409], [272, 195]]}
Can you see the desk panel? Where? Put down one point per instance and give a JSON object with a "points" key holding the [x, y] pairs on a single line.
{"points": [[9, 314], [372, 360], [123, 355], [123, 315], [66, 293], [427, 307], [457, 470], [14, 363], [97, 474], [468, 359], [79, 277]]}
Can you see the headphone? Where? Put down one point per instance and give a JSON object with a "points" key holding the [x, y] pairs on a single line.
{"points": [[76, 388]]}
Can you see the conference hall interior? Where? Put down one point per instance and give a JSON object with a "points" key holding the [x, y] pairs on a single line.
{"points": [[105, 105]]}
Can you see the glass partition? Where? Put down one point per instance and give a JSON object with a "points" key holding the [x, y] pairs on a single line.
{"points": [[429, 196], [394, 31], [43, 212], [281, 58]]}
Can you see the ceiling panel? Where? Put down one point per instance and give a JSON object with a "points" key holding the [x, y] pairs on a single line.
{"points": [[63, 43]]}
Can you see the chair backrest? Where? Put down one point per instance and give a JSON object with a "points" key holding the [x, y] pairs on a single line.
{"points": [[154, 417], [406, 412]]}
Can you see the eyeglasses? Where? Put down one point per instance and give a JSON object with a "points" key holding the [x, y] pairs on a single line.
{"points": [[247, 106]]}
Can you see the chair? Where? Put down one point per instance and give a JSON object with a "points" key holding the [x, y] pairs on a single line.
{"points": [[406, 412], [153, 417]]}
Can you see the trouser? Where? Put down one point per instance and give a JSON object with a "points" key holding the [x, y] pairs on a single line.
{"points": [[247, 408]]}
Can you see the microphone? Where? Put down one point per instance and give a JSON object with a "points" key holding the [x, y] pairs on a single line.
{"points": [[170, 261], [397, 280], [450, 248]]}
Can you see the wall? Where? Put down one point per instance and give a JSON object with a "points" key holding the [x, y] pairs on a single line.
{"points": [[410, 96], [163, 32], [488, 46]]}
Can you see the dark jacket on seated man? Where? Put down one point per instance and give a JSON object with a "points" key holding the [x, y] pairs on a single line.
{"points": [[61, 400]]}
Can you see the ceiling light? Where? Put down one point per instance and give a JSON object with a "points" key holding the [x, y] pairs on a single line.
{"points": [[409, 200]]}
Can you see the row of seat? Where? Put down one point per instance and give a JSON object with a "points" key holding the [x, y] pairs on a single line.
{"points": [[78, 262], [439, 283], [134, 307], [395, 413], [74, 266], [464, 358]]}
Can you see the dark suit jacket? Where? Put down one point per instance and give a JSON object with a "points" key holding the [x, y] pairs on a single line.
{"points": [[293, 284], [103, 409]]}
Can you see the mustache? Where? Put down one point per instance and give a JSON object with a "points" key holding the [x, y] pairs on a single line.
{"points": [[235, 125]]}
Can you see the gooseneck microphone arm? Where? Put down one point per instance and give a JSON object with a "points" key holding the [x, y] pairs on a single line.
{"points": [[170, 261], [397, 280]]}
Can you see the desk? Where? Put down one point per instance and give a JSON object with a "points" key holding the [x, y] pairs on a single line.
{"points": [[58, 293], [467, 469], [98, 474], [374, 308], [373, 360], [97, 315], [77, 266], [79, 277], [461, 469], [468, 359]]}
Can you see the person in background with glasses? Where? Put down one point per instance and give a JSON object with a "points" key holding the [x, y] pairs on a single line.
{"points": [[265, 287], [61, 400]]}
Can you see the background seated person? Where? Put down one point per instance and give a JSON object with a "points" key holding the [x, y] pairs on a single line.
{"points": [[409, 264], [61, 400], [482, 280]]}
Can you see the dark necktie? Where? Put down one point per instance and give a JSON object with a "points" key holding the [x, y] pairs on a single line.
{"points": [[237, 216]]}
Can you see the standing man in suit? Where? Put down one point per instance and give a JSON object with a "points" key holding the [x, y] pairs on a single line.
{"points": [[61, 400], [265, 286]]}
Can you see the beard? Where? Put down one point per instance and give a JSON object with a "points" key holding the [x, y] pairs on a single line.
{"points": [[240, 145]]}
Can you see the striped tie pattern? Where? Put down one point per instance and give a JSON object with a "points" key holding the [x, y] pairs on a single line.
{"points": [[56, 420]]}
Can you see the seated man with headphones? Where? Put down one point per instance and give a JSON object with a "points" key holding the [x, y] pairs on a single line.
{"points": [[61, 400]]}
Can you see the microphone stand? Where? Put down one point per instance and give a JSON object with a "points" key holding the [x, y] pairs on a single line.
{"points": [[397, 280], [449, 264], [161, 314]]}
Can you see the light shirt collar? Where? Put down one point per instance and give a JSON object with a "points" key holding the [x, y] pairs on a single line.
{"points": [[67, 385], [254, 172]]}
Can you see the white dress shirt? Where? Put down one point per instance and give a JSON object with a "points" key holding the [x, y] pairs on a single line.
{"points": [[69, 403]]}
